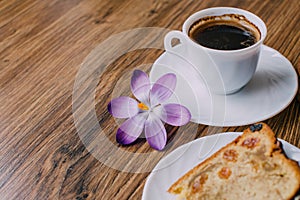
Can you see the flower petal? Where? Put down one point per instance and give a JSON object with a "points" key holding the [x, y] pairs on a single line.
{"points": [[173, 114], [162, 89], [131, 129], [155, 132], [123, 107], [140, 86]]}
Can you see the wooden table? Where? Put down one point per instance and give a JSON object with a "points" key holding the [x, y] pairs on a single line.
{"points": [[43, 44]]}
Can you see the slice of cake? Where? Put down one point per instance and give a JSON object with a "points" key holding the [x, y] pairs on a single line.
{"points": [[253, 166]]}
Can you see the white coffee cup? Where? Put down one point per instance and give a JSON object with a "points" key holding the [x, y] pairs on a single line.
{"points": [[224, 71]]}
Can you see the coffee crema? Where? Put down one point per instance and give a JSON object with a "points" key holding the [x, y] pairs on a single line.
{"points": [[225, 32]]}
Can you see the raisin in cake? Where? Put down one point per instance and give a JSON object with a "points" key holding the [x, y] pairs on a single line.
{"points": [[253, 166]]}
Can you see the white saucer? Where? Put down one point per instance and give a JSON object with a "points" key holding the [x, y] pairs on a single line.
{"points": [[185, 157], [272, 88]]}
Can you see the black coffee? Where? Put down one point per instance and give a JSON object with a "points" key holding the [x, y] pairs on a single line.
{"points": [[223, 35]]}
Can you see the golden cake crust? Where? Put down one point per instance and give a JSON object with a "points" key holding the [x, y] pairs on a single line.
{"points": [[259, 151]]}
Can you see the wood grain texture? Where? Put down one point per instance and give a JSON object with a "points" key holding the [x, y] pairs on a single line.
{"points": [[42, 45]]}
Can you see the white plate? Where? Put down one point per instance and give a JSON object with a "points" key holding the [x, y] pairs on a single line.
{"points": [[272, 88], [185, 157]]}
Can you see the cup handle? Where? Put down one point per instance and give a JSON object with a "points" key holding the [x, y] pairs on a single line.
{"points": [[173, 35]]}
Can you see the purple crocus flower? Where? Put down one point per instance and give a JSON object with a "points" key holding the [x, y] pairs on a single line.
{"points": [[149, 111]]}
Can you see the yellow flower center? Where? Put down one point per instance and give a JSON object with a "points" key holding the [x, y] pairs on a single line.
{"points": [[142, 106]]}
